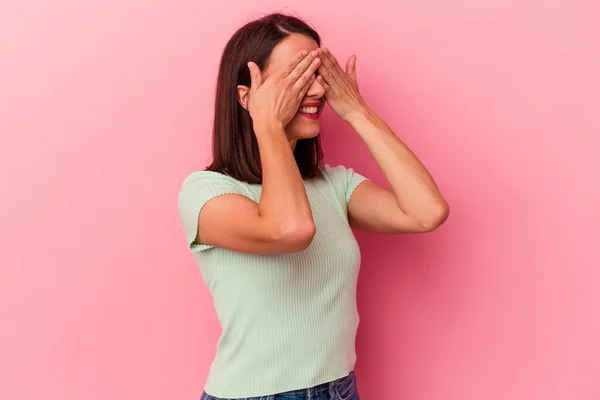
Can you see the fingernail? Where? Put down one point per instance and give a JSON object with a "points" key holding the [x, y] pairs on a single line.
{"points": [[304, 52], [315, 53]]}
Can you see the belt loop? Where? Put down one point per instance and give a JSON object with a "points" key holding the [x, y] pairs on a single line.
{"points": [[332, 390], [309, 393]]}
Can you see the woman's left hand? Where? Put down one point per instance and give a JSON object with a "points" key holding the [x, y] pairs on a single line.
{"points": [[341, 88]]}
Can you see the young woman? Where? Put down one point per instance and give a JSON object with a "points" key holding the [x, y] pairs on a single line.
{"points": [[270, 225]]}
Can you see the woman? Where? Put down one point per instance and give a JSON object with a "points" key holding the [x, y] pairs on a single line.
{"points": [[270, 226]]}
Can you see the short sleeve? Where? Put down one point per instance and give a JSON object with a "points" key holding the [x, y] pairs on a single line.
{"points": [[197, 189], [353, 179], [345, 180]]}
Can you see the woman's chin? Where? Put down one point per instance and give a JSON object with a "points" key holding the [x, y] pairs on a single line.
{"points": [[306, 133], [309, 135]]}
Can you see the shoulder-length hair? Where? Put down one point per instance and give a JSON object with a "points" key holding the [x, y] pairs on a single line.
{"points": [[234, 145]]}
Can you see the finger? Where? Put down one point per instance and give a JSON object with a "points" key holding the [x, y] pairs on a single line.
{"points": [[351, 71], [325, 73], [291, 65], [351, 67], [255, 76], [306, 87], [324, 84], [333, 64], [328, 71], [302, 66], [307, 75]]}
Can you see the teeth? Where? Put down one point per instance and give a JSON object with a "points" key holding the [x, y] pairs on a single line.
{"points": [[309, 110]]}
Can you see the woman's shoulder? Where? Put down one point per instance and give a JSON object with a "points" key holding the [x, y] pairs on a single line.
{"points": [[344, 178], [204, 174], [335, 170], [337, 173], [209, 176], [204, 181], [334, 173]]}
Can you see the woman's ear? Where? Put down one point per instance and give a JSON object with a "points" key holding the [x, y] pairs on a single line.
{"points": [[242, 92]]}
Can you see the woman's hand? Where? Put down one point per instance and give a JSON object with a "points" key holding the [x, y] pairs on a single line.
{"points": [[341, 88], [274, 102]]}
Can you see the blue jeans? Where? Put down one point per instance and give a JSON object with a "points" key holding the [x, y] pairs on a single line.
{"points": [[339, 389]]}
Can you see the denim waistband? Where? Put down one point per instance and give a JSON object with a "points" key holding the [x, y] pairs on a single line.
{"points": [[319, 388]]}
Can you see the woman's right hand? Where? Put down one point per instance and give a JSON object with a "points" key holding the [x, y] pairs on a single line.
{"points": [[274, 102]]}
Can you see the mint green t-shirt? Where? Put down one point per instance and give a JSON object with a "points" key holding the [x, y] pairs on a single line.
{"points": [[288, 320]]}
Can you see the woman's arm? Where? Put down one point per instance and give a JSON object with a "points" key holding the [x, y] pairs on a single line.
{"points": [[282, 220], [414, 205], [283, 199]]}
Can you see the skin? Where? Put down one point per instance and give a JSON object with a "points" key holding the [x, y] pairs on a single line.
{"points": [[299, 127], [414, 204]]}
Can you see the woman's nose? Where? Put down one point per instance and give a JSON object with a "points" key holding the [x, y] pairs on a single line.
{"points": [[316, 90]]}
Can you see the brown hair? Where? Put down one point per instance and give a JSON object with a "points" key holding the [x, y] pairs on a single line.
{"points": [[235, 148]]}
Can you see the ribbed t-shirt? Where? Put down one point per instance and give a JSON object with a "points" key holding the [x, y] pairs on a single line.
{"points": [[288, 320]]}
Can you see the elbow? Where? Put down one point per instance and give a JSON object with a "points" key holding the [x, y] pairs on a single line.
{"points": [[436, 217], [297, 236]]}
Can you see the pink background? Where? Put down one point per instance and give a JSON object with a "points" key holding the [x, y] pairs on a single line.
{"points": [[106, 105]]}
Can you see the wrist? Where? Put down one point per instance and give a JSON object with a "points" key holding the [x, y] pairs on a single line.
{"points": [[268, 128], [362, 115]]}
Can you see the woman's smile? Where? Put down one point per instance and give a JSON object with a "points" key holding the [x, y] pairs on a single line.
{"points": [[310, 110]]}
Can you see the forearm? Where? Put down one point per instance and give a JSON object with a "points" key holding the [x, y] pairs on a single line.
{"points": [[283, 200], [416, 193]]}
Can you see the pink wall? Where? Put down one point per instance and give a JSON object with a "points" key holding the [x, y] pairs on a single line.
{"points": [[106, 105]]}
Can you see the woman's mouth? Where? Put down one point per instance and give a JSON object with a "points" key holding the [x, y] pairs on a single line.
{"points": [[311, 112]]}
